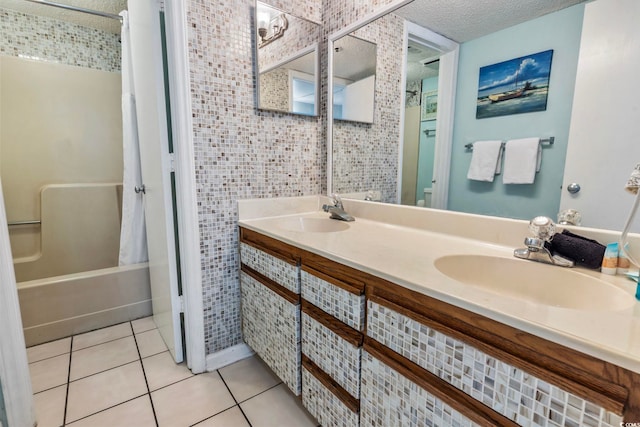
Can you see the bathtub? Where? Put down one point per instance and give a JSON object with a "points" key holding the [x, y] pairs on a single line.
{"points": [[60, 306]]}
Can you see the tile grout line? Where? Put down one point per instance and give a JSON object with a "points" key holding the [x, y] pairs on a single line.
{"points": [[66, 396], [144, 374], [233, 397]]}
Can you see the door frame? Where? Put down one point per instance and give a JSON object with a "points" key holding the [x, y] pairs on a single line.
{"points": [[188, 224], [447, 80], [14, 366]]}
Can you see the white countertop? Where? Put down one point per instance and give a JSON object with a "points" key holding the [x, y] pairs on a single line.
{"points": [[400, 244]]}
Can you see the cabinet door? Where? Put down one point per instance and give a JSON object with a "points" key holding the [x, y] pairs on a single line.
{"points": [[271, 327]]}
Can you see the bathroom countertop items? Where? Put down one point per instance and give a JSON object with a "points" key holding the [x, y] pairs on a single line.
{"points": [[585, 252]]}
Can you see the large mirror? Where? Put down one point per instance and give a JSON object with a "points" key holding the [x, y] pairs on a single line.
{"points": [[287, 61], [375, 160]]}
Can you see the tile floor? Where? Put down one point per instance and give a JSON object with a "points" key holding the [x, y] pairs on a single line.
{"points": [[124, 376]]}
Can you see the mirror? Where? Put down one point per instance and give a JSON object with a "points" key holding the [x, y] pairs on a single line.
{"points": [[504, 41], [354, 77], [287, 61]]}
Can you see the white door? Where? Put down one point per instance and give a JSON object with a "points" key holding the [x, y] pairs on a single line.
{"points": [[15, 383], [603, 139], [148, 77]]}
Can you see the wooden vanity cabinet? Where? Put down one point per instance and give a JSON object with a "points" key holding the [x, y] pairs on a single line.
{"points": [[270, 299], [376, 353], [332, 324]]}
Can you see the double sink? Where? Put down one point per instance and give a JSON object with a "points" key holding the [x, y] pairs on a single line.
{"points": [[528, 281]]}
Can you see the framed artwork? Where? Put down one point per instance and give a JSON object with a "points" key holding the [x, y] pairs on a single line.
{"points": [[520, 85], [429, 105]]}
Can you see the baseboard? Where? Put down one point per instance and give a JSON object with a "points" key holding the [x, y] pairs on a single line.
{"points": [[228, 356]]}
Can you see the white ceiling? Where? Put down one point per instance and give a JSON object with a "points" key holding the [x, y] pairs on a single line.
{"points": [[464, 20], [85, 19]]}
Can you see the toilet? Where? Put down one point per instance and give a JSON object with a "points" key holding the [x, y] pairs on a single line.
{"points": [[427, 197]]}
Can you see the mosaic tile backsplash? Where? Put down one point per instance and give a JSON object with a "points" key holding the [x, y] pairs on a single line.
{"points": [[508, 390], [42, 38]]}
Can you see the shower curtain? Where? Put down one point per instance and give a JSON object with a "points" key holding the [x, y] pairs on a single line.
{"points": [[133, 238]]}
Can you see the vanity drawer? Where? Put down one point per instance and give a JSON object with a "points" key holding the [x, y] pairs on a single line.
{"points": [[327, 408], [332, 353], [284, 272], [270, 326], [390, 399], [341, 300], [508, 390]]}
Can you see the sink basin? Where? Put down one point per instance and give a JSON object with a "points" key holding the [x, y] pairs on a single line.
{"points": [[313, 225], [535, 282]]}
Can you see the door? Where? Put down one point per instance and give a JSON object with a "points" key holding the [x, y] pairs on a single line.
{"points": [[16, 397], [155, 159], [603, 137]]}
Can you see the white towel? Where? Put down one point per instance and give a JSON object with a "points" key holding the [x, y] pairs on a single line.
{"points": [[522, 159], [485, 160]]}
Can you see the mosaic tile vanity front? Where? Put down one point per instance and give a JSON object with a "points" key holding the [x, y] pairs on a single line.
{"points": [[508, 390], [341, 304], [271, 327], [281, 272], [324, 405], [334, 355]]}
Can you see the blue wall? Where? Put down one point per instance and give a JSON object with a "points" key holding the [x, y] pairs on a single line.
{"points": [[427, 146], [559, 31]]}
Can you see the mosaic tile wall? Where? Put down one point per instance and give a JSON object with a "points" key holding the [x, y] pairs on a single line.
{"points": [[510, 391], [390, 399], [243, 153], [274, 90], [324, 405], [240, 152], [366, 155], [38, 37]]}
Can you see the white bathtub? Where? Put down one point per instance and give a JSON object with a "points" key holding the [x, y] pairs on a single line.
{"points": [[60, 306]]}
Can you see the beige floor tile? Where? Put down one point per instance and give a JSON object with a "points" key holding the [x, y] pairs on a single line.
{"points": [[277, 407], [248, 377], [50, 349], [135, 413], [192, 400], [50, 406], [104, 390], [150, 343], [101, 336], [230, 418], [98, 358], [49, 373], [161, 370], [144, 324]]}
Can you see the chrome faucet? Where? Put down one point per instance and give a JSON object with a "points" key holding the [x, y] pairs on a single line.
{"points": [[544, 229], [337, 210]]}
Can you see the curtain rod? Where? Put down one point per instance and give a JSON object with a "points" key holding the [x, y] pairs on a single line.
{"points": [[76, 9]]}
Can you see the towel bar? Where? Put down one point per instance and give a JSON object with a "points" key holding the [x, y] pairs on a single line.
{"points": [[15, 223], [549, 141]]}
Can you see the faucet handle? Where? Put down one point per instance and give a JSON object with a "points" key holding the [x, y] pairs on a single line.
{"points": [[542, 227], [337, 201]]}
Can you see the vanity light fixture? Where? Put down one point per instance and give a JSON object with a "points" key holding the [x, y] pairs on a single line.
{"points": [[272, 30]]}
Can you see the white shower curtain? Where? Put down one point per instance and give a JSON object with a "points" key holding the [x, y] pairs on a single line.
{"points": [[133, 237]]}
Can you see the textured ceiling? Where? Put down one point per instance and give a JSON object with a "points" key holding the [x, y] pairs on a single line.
{"points": [[85, 19], [464, 20]]}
